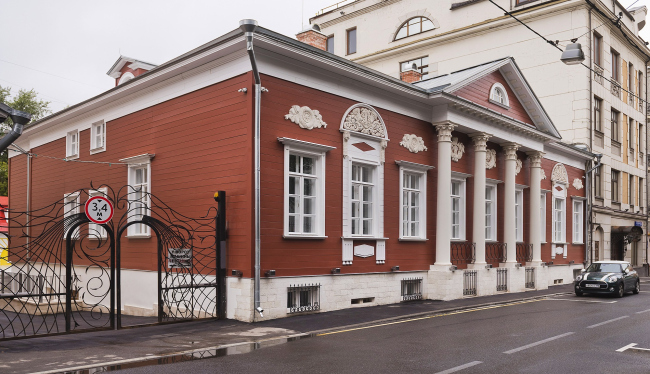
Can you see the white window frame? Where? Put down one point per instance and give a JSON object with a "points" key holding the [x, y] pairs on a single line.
{"points": [[72, 145], [374, 216], [97, 131], [492, 184], [462, 179], [67, 212], [96, 231], [542, 212], [493, 95], [138, 162], [519, 212], [420, 171], [578, 205], [559, 195], [318, 153]]}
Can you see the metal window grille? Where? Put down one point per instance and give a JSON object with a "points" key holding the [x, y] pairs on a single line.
{"points": [[502, 279], [462, 253], [524, 252], [411, 289], [530, 277], [303, 298], [469, 282]]}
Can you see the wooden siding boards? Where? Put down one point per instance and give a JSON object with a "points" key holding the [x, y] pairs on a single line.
{"points": [[479, 93]]}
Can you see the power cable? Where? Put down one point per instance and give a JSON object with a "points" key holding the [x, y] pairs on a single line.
{"points": [[35, 155], [54, 75], [41, 94]]}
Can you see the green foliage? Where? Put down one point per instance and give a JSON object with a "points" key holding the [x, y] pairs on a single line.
{"points": [[27, 101]]}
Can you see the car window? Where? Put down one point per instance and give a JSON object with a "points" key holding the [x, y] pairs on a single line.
{"points": [[604, 268]]}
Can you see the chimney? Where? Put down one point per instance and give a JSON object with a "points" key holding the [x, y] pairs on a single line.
{"points": [[411, 75], [313, 37]]}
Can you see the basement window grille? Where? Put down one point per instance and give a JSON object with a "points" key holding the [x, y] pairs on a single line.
{"points": [[502, 279], [469, 282], [303, 298], [411, 289], [530, 277]]}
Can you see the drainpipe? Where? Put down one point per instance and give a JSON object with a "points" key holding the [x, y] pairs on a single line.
{"points": [[589, 205], [248, 26], [588, 210]]}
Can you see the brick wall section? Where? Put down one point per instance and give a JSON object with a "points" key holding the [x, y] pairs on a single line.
{"points": [[410, 76], [313, 38]]}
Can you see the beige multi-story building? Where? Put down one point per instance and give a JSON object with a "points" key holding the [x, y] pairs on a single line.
{"points": [[600, 106]]}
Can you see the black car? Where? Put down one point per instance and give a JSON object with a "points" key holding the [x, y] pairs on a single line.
{"points": [[609, 277]]}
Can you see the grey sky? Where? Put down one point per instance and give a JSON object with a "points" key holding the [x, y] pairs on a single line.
{"points": [[64, 48]]}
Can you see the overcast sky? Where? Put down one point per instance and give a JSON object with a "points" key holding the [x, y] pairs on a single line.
{"points": [[64, 48]]}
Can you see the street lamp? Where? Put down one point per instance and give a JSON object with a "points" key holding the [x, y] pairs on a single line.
{"points": [[573, 54], [19, 118]]}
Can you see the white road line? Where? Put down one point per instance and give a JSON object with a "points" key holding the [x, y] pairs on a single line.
{"points": [[623, 349], [584, 301], [537, 343], [606, 322], [461, 367], [643, 311]]}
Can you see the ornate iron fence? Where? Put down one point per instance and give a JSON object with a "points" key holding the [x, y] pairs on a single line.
{"points": [[502, 279], [303, 298], [469, 282], [524, 252], [462, 253], [530, 277], [496, 253], [411, 289]]}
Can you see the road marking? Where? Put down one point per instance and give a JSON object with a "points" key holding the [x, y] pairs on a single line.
{"points": [[606, 322], [622, 349], [461, 367], [643, 311], [537, 343], [585, 301], [429, 317]]}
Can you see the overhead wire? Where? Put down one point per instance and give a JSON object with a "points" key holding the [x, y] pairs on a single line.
{"points": [[54, 75], [35, 155]]}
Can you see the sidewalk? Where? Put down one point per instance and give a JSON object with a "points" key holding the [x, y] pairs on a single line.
{"points": [[162, 343]]}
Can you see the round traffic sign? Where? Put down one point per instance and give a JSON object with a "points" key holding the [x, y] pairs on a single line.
{"points": [[99, 209]]}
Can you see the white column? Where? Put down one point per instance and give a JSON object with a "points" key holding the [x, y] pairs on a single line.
{"points": [[510, 235], [535, 205], [478, 211], [443, 211]]}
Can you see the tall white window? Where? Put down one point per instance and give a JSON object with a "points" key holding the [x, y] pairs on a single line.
{"points": [[413, 200], [542, 216], [304, 186], [363, 211], [98, 137], [96, 231], [72, 144], [519, 214], [578, 221], [458, 227], [71, 207], [559, 219], [491, 212], [139, 180]]}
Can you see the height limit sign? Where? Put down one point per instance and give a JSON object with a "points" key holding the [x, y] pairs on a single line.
{"points": [[99, 210]]}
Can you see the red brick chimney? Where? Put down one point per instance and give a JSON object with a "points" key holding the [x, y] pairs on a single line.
{"points": [[313, 38], [410, 76]]}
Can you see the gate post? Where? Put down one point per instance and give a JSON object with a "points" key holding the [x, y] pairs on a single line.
{"points": [[220, 240]]}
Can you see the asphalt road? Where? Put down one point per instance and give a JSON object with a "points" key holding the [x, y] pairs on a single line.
{"points": [[564, 334]]}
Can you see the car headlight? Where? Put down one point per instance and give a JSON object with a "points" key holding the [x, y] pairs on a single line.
{"points": [[612, 279], [578, 278]]}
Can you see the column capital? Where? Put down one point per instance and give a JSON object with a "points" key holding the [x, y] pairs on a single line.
{"points": [[510, 150], [480, 141], [444, 131], [535, 159]]}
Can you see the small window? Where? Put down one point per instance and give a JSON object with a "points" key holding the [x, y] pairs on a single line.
{"points": [[98, 137], [615, 127], [578, 206], [491, 212], [615, 66], [362, 194], [71, 207], [96, 231], [421, 65], [498, 95], [458, 226], [630, 190], [615, 186], [303, 298], [598, 49], [630, 135], [598, 182], [519, 215], [640, 192], [413, 26], [630, 77], [72, 144], [330, 44], [598, 105], [352, 41]]}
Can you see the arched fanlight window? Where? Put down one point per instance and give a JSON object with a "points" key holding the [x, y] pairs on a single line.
{"points": [[499, 95], [415, 25]]}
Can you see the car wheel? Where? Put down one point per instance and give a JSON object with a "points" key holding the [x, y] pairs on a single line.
{"points": [[620, 291], [579, 293], [637, 288]]}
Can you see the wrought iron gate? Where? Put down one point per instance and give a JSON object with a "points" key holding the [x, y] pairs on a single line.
{"points": [[64, 272]]}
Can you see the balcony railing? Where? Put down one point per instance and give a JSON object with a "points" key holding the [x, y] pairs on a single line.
{"points": [[524, 253], [598, 74], [496, 253], [616, 89], [334, 6], [462, 253]]}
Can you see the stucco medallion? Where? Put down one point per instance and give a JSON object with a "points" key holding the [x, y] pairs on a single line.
{"points": [[577, 184], [413, 143], [519, 166], [457, 149], [305, 117], [490, 158]]}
